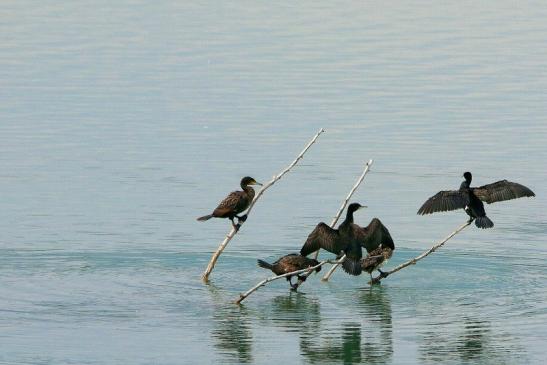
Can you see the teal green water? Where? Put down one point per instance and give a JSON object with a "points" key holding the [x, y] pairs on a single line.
{"points": [[120, 123]]}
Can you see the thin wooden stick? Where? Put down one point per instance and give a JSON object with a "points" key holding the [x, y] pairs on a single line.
{"points": [[331, 271], [344, 203], [272, 278], [233, 231], [418, 258]]}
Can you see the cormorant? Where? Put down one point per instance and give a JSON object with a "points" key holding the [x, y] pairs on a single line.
{"points": [[289, 263], [349, 238], [377, 258], [470, 199], [236, 202]]}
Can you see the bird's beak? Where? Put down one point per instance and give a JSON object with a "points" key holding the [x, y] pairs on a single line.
{"points": [[363, 206], [256, 183]]}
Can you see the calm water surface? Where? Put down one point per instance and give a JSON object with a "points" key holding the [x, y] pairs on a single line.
{"points": [[122, 122]]}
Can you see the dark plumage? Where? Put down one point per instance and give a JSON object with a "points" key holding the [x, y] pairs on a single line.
{"points": [[349, 238], [235, 203], [470, 199], [289, 263]]}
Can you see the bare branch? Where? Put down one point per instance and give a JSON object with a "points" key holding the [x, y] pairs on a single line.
{"points": [[332, 269], [418, 258], [308, 271], [233, 231]]}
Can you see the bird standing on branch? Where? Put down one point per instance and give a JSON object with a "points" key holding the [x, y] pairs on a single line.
{"points": [[470, 199], [348, 239], [289, 263], [235, 203]]}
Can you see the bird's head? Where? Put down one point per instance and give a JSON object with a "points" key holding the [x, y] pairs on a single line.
{"points": [[467, 176], [247, 180], [353, 207]]}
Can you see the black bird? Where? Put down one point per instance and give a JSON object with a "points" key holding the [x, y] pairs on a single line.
{"points": [[289, 263], [470, 199], [349, 238], [236, 202]]}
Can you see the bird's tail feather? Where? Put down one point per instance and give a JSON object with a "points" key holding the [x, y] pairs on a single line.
{"points": [[264, 264], [205, 217], [352, 267], [484, 222]]}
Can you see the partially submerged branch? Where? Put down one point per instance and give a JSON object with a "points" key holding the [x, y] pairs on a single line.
{"points": [[308, 271], [233, 231], [418, 258]]}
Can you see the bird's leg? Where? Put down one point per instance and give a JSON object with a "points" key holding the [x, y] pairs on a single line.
{"points": [[468, 211], [243, 218], [236, 226], [294, 287], [382, 274]]}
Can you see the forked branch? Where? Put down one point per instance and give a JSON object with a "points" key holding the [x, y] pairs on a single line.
{"points": [[233, 231]]}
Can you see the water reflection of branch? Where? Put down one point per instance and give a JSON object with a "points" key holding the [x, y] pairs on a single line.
{"points": [[294, 312], [231, 334]]}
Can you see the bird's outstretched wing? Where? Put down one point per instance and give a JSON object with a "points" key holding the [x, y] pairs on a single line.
{"points": [[501, 190], [323, 237], [373, 235], [444, 201]]}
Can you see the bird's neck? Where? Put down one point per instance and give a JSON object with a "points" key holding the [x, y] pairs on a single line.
{"points": [[349, 217], [465, 184], [250, 191]]}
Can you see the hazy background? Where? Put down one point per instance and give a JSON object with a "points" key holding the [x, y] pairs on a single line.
{"points": [[121, 123]]}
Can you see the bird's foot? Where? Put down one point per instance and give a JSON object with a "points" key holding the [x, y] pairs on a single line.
{"points": [[243, 218], [470, 220], [301, 278], [236, 226], [294, 287], [382, 274]]}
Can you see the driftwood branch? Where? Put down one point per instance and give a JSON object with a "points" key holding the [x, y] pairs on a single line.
{"points": [[418, 258], [308, 270], [233, 231], [332, 269], [344, 203]]}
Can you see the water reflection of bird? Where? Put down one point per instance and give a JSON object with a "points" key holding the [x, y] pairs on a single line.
{"points": [[375, 306], [349, 238], [235, 203], [346, 349], [295, 312], [289, 263], [470, 199], [469, 341]]}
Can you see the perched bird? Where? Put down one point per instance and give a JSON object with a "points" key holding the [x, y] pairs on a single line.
{"points": [[470, 199], [235, 203], [348, 239], [377, 258], [289, 263]]}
